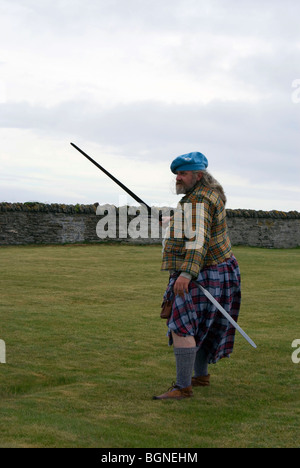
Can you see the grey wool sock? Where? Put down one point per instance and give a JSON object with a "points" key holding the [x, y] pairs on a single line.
{"points": [[185, 359], [201, 363]]}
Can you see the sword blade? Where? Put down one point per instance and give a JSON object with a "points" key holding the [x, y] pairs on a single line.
{"points": [[229, 318], [132, 194]]}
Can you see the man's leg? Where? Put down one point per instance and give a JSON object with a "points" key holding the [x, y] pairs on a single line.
{"points": [[185, 353], [201, 363], [201, 377]]}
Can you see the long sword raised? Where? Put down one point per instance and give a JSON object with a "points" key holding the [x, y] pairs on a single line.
{"points": [[133, 195]]}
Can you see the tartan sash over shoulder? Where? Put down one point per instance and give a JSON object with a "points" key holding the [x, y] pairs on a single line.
{"points": [[201, 238]]}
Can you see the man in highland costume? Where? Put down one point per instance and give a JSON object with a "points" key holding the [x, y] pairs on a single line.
{"points": [[197, 248]]}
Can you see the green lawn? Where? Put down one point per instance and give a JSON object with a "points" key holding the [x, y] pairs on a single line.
{"points": [[86, 350]]}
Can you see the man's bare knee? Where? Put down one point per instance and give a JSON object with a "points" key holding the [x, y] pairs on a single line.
{"points": [[183, 341]]}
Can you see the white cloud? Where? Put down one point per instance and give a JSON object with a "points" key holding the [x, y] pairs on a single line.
{"points": [[136, 83]]}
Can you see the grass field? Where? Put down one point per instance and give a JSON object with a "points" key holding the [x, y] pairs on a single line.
{"points": [[86, 350]]}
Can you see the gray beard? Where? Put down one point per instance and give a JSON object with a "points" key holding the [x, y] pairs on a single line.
{"points": [[180, 189]]}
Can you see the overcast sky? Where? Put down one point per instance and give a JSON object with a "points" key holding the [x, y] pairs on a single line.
{"points": [[136, 83]]}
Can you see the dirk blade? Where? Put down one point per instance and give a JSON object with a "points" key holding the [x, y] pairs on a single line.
{"points": [[229, 318]]}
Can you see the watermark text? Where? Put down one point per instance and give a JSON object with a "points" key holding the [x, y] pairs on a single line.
{"points": [[296, 353], [2, 352], [186, 222], [296, 93]]}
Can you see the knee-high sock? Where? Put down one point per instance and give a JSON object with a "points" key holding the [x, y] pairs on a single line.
{"points": [[185, 360], [201, 363]]}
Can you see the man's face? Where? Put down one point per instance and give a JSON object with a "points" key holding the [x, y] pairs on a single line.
{"points": [[185, 181]]}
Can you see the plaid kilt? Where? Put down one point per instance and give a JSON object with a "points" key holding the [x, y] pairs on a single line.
{"points": [[195, 315]]}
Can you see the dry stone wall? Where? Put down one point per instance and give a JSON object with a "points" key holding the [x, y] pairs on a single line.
{"points": [[38, 223]]}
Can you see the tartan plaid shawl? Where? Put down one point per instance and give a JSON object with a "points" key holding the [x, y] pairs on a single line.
{"points": [[195, 315], [215, 246]]}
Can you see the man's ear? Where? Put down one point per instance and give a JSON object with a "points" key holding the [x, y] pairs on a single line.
{"points": [[200, 174]]}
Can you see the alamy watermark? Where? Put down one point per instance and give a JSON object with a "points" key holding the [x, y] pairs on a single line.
{"points": [[296, 93], [139, 223], [296, 353], [2, 352]]}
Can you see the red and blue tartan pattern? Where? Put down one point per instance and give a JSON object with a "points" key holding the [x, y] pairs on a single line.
{"points": [[195, 315]]}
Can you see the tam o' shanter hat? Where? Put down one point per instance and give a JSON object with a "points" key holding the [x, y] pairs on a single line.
{"points": [[189, 162]]}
